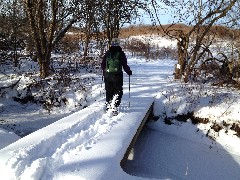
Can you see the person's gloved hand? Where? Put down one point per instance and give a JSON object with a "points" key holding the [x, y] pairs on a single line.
{"points": [[130, 73]]}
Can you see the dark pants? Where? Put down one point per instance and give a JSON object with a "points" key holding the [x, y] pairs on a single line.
{"points": [[113, 86]]}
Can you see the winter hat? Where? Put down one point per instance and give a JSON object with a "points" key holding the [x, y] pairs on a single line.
{"points": [[115, 42]]}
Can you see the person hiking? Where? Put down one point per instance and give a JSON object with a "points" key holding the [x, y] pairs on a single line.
{"points": [[112, 64]]}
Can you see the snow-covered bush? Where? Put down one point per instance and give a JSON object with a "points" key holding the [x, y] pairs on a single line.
{"points": [[65, 87]]}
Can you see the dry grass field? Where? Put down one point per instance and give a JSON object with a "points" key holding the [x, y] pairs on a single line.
{"points": [[217, 31]]}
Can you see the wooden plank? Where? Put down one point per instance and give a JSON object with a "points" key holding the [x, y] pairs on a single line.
{"points": [[131, 145]]}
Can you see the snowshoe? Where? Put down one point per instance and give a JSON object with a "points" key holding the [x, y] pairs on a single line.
{"points": [[115, 112], [112, 110]]}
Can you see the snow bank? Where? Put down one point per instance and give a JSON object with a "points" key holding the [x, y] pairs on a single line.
{"points": [[7, 138]]}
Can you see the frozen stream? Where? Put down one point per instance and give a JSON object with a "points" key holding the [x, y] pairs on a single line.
{"points": [[158, 154]]}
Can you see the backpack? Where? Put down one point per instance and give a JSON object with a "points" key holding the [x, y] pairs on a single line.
{"points": [[113, 62]]}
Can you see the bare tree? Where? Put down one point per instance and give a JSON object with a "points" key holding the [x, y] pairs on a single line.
{"points": [[49, 21], [207, 21], [234, 19], [13, 27], [92, 21], [89, 20], [119, 12], [201, 17]]}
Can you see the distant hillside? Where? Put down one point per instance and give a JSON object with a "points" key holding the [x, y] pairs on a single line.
{"points": [[217, 31]]}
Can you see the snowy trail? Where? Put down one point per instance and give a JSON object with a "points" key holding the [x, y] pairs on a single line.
{"points": [[54, 150], [77, 142], [89, 135]]}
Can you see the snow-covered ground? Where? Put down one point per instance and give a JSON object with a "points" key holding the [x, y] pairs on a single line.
{"points": [[89, 144]]}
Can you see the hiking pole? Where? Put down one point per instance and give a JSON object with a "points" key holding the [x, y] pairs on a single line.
{"points": [[101, 87], [129, 92]]}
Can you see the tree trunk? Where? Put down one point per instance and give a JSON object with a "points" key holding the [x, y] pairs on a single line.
{"points": [[238, 65], [44, 64], [88, 36], [44, 69], [86, 45], [182, 46]]}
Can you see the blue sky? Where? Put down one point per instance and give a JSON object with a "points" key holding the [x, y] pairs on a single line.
{"points": [[164, 15], [164, 19]]}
